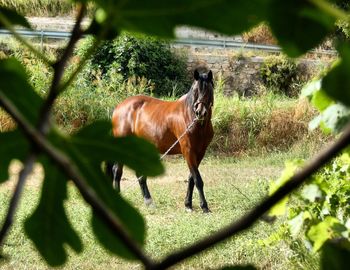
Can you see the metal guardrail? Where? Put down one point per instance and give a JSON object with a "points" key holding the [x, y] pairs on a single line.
{"points": [[226, 44], [38, 33], [183, 41]]}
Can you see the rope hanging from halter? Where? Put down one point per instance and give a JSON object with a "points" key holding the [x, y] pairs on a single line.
{"points": [[180, 137], [176, 142]]}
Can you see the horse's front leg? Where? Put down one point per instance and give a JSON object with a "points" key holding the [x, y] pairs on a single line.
{"points": [[188, 199], [193, 160], [199, 185]]}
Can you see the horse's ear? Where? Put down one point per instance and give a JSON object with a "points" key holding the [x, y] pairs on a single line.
{"points": [[196, 75], [210, 75]]}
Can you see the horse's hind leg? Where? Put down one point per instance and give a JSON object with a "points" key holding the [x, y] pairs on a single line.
{"points": [[144, 189]]}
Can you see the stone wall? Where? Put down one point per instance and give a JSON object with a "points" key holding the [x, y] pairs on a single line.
{"points": [[240, 72]]}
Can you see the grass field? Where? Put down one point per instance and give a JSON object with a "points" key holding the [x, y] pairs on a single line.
{"points": [[169, 226]]}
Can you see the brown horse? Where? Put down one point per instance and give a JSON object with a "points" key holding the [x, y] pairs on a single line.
{"points": [[163, 123]]}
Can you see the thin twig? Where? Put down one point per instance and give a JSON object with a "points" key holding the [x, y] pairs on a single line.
{"points": [[28, 166], [44, 123], [81, 65], [59, 66], [37, 137], [251, 217]]}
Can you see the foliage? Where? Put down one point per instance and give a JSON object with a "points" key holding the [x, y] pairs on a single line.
{"points": [[320, 211], [260, 35], [281, 75], [319, 214], [270, 122], [140, 57], [342, 31], [40, 7], [117, 225]]}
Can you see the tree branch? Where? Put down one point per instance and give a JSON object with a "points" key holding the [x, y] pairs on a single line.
{"points": [[43, 124], [40, 141], [251, 217], [59, 66]]}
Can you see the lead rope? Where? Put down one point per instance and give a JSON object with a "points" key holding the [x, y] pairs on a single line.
{"points": [[170, 148], [173, 145], [183, 134]]}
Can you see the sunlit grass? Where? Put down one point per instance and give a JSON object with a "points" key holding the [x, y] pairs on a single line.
{"points": [[41, 7], [169, 226]]}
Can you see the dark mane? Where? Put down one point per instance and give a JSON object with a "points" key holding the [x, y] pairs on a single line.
{"points": [[190, 99]]}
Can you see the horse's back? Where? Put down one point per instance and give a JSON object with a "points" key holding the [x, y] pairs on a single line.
{"points": [[127, 115]]}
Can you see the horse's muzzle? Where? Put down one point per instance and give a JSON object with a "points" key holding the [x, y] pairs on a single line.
{"points": [[201, 112]]}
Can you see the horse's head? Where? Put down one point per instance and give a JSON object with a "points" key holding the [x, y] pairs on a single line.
{"points": [[202, 95]]}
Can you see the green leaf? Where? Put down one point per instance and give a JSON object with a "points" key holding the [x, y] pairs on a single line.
{"points": [[295, 224], [329, 228], [13, 146], [89, 166], [160, 18], [13, 17], [97, 142], [321, 100], [311, 192], [280, 208], [15, 87], [337, 82], [315, 123], [310, 88], [336, 117], [48, 227], [288, 172], [335, 256], [298, 25]]}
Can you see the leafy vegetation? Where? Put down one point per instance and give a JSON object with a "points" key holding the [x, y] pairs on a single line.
{"points": [[139, 58], [40, 7], [281, 74], [318, 216], [79, 156]]}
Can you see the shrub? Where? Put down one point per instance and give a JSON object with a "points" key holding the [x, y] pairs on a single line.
{"points": [[141, 57], [260, 34], [279, 74]]}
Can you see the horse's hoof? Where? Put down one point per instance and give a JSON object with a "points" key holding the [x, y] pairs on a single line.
{"points": [[206, 210], [189, 209], [149, 203]]}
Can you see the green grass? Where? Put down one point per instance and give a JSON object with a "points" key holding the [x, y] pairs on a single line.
{"points": [[169, 226], [40, 7]]}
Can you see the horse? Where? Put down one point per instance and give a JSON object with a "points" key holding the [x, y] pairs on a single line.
{"points": [[187, 119]]}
